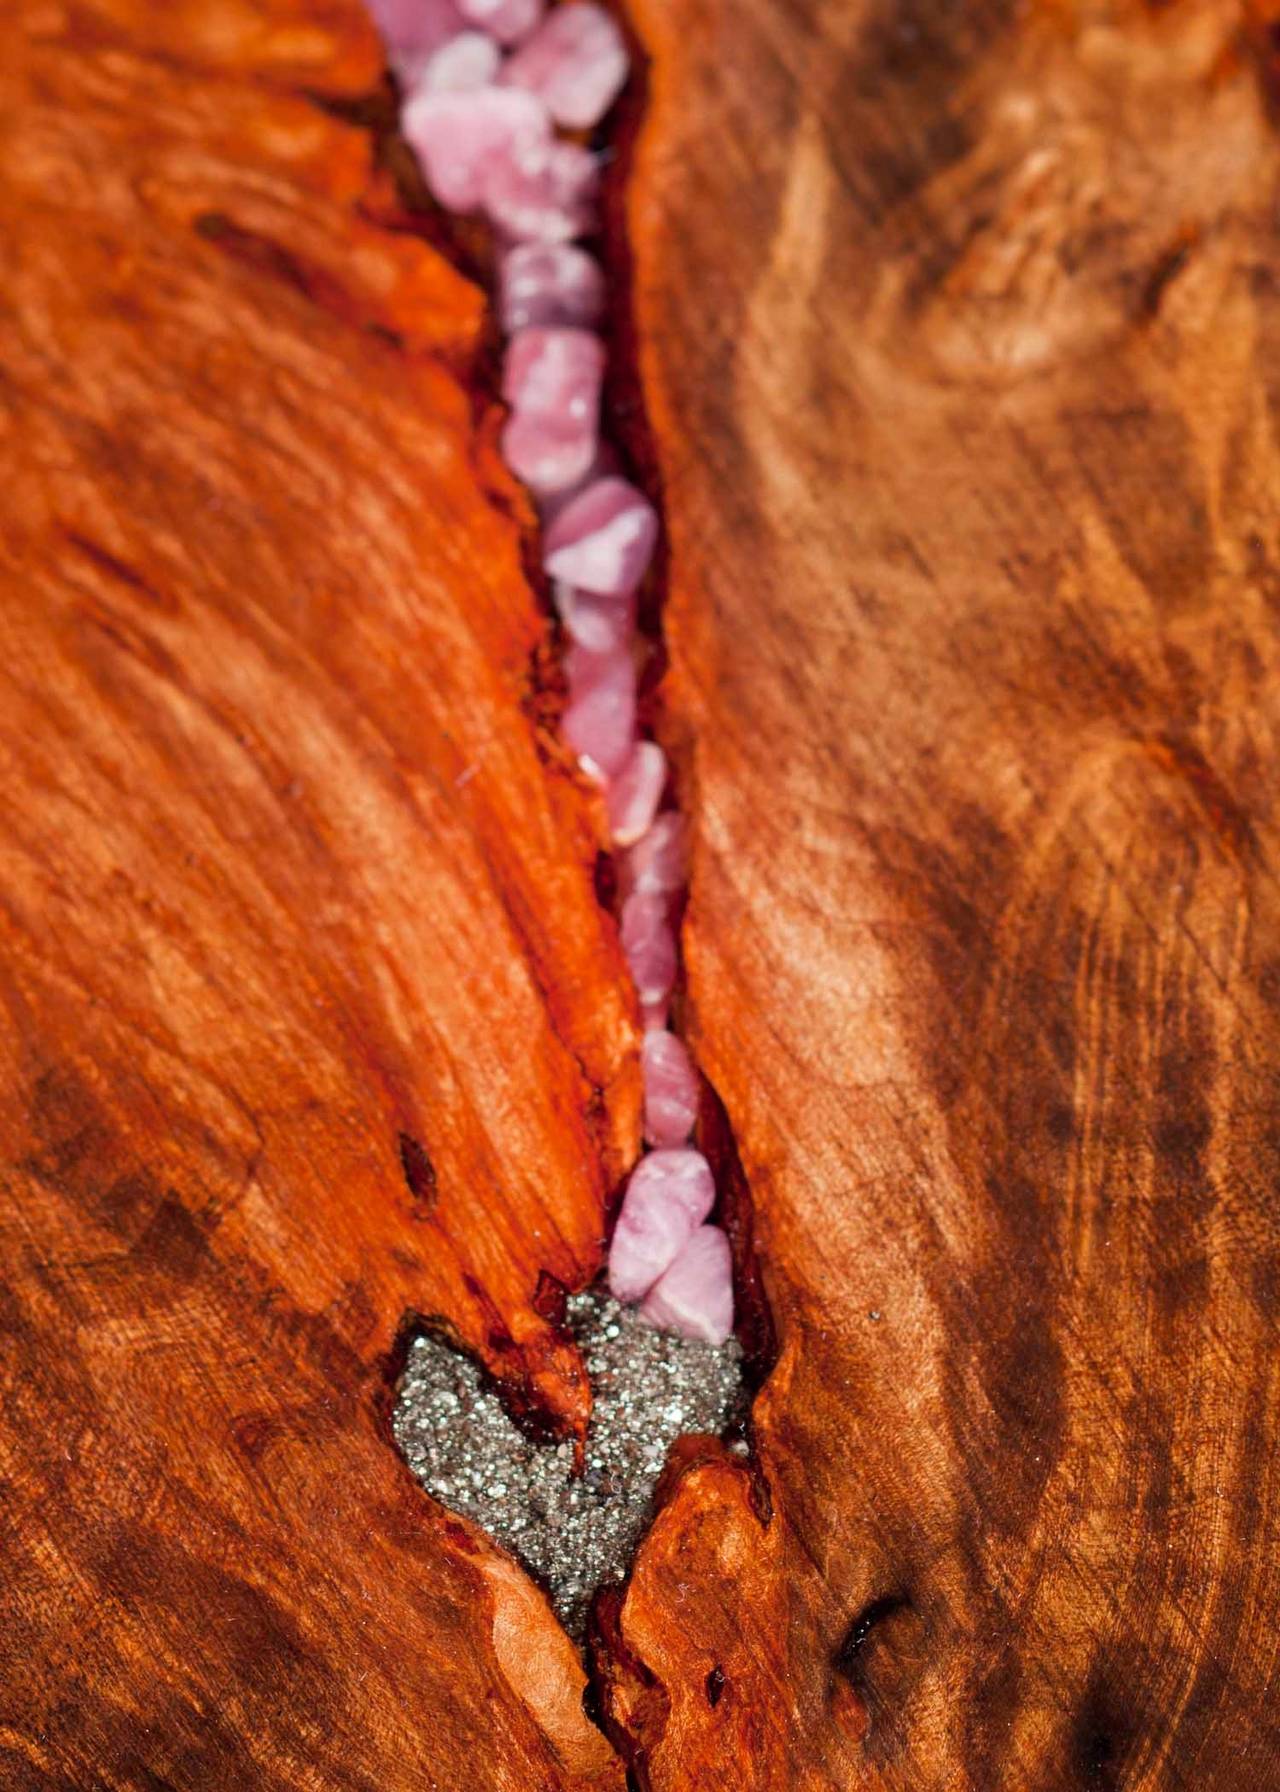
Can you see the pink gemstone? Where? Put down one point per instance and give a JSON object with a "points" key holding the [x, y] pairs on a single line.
{"points": [[658, 863], [635, 793], [649, 944], [654, 1016], [467, 61], [551, 379], [603, 540], [670, 1194], [506, 21], [576, 62], [412, 29], [544, 193], [695, 1295], [600, 624], [549, 283], [600, 717], [670, 1089], [461, 136]]}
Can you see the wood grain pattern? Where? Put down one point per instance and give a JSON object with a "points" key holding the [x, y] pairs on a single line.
{"points": [[959, 330], [309, 1018]]}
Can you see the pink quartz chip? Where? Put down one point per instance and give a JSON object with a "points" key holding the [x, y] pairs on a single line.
{"points": [[670, 1194], [658, 863], [600, 717], [551, 379], [460, 136], [576, 62], [602, 540], [505, 21], [413, 29], [545, 192], [635, 793], [465, 62], [549, 283], [600, 624], [649, 944], [695, 1295], [670, 1089]]}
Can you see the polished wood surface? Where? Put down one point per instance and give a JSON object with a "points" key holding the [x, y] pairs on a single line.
{"points": [[957, 331], [309, 1017]]}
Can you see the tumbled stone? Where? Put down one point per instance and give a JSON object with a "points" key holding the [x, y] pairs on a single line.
{"points": [[658, 862], [460, 137], [600, 624], [669, 1195], [544, 192], [549, 283], [670, 1089], [551, 379], [465, 62], [603, 539], [600, 717], [576, 62], [635, 793], [413, 29], [649, 944], [505, 21], [695, 1295]]}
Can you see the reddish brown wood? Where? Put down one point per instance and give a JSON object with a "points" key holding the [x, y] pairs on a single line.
{"points": [[959, 330], [309, 1018]]}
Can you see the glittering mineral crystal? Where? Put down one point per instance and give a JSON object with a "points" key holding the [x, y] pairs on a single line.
{"points": [[574, 1533]]}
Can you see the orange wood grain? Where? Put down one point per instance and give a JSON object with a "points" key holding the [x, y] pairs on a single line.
{"points": [[959, 330], [295, 897]]}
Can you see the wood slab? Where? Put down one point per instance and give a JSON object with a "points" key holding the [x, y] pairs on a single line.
{"points": [[959, 329], [310, 1020]]}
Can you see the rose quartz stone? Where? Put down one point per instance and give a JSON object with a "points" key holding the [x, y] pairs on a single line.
{"points": [[544, 192], [549, 283], [600, 717], [658, 863], [654, 1016], [635, 793], [602, 540], [670, 1194], [551, 379], [412, 29], [576, 62], [600, 624], [506, 21], [649, 944], [460, 137], [670, 1089], [465, 62], [695, 1295]]}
